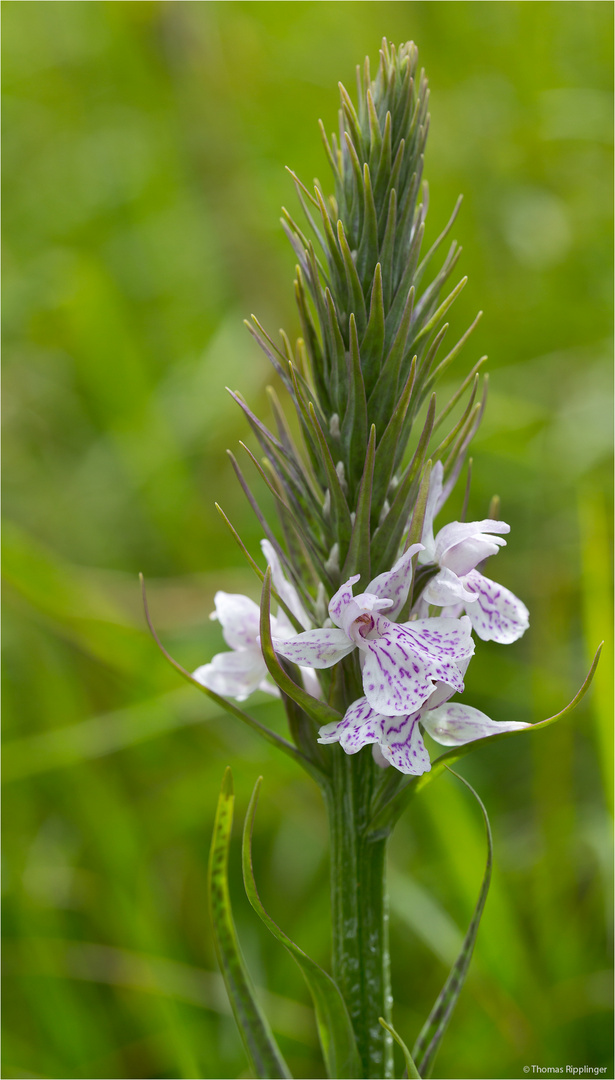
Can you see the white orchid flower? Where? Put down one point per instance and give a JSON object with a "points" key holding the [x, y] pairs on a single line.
{"points": [[397, 740], [496, 613], [240, 672], [402, 663]]}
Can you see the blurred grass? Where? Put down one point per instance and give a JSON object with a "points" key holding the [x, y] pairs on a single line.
{"points": [[145, 146]]}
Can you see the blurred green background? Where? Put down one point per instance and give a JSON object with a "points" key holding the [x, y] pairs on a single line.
{"points": [[145, 146]]}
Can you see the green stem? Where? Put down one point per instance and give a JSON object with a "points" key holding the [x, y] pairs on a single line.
{"points": [[359, 909]]}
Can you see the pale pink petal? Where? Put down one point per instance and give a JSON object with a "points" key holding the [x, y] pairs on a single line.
{"points": [[496, 614], [360, 727], [456, 724], [341, 600], [446, 588], [462, 545], [395, 583], [233, 674], [240, 619], [315, 648], [402, 744]]}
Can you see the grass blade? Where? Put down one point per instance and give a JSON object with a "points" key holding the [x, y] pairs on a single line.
{"points": [[261, 1047], [428, 1043]]}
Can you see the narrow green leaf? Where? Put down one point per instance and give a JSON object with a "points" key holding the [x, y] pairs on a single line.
{"points": [[318, 710], [257, 570], [333, 160], [339, 507], [337, 346], [375, 134], [383, 174], [411, 1068], [261, 1047], [354, 424], [367, 255], [334, 1028], [372, 344], [397, 351], [386, 452], [355, 225], [436, 244], [290, 569], [428, 1043], [388, 535], [387, 249], [448, 440], [442, 366], [354, 285], [358, 559], [450, 405], [352, 120], [437, 315]]}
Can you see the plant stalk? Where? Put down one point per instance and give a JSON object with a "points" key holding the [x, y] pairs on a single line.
{"points": [[360, 930]]}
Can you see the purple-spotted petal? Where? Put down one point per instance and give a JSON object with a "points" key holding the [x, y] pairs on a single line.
{"points": [[342, 598], [315, 648], [395, 583], [360, 727], [402, 744], [456, 724], [496, 614], [397, 679], [240, 619], [446, 588], [444, 638]]}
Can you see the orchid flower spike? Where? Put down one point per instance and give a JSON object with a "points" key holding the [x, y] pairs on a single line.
{"points": [[496, 613], [239, 673], [402, 663], [397, 740]]}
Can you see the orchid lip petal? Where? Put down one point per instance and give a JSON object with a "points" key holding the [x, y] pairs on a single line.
{"points": [[403, 745]]}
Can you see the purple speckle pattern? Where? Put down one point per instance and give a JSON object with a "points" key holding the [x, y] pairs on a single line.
{"points": [[315, 648], [360, 727], [402, 744], [398, 738], [341, 600], [496, 614]]}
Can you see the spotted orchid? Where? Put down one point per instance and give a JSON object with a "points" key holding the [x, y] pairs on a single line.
{"points": [[401, 662], [397, 740], [241, 671], [496, 613]]}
